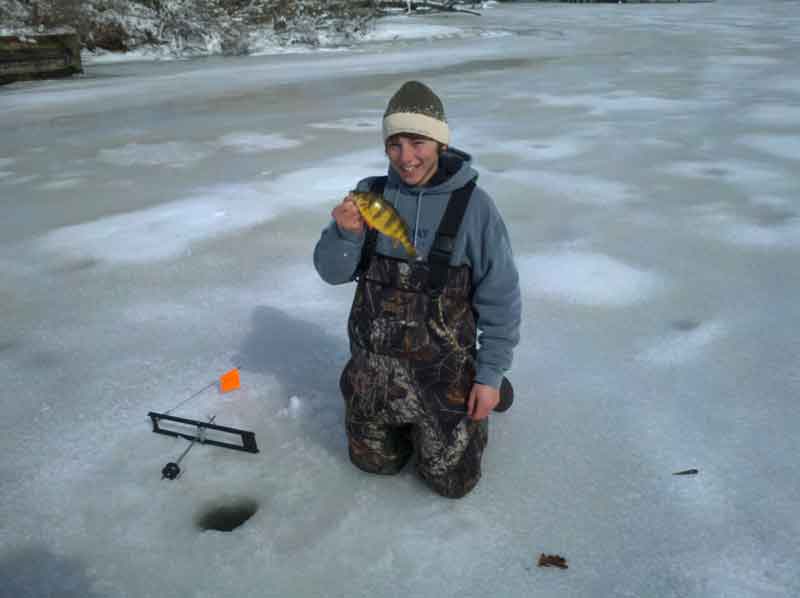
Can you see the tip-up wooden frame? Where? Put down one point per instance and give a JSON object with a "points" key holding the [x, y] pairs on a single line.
{"points": [[248, 439]]}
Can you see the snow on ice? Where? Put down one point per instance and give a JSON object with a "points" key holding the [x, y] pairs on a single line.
{"points": [[156, 229]]}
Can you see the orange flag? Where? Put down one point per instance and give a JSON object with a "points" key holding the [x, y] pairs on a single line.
{"points": [[229, 381]]}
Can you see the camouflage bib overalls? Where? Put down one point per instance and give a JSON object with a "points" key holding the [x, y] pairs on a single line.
{"points": [[411, 370]]}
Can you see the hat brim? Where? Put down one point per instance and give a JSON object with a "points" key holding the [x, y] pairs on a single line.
{"points": [[417, 124]]}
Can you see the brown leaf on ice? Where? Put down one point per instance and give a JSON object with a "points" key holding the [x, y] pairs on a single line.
{"points": [[552, 560]]}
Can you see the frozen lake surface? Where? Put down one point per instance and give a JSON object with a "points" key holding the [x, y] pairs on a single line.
{"points": [[156, 228]]}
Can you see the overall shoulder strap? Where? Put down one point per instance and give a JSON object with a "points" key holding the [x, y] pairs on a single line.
{"points": [[377, 185], [444, 243]]}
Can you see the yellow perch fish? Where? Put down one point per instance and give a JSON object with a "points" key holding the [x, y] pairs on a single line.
{"points": [[381, 215]]}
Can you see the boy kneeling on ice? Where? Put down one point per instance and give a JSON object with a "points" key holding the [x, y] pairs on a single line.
{"points": [[416, 379]]}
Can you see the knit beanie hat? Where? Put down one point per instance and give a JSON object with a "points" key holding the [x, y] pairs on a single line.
{"points": [[416, 109]]}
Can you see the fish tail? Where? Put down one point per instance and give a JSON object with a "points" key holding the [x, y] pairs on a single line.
{"points": [[410, 249]]}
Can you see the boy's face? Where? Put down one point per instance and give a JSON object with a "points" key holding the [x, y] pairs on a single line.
{"points": [[415, 158]]}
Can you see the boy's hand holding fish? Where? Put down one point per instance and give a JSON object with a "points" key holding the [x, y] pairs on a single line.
{"points": [[347, 216], [360, 209]]}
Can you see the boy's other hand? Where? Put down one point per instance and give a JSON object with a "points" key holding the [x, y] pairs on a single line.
{"points": [[482, 400]]}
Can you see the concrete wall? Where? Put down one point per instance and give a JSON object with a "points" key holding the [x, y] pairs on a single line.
{"points": [[39, 57]]}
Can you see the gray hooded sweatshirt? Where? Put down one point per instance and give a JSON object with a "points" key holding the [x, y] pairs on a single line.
{"points": [[482, 243]]}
